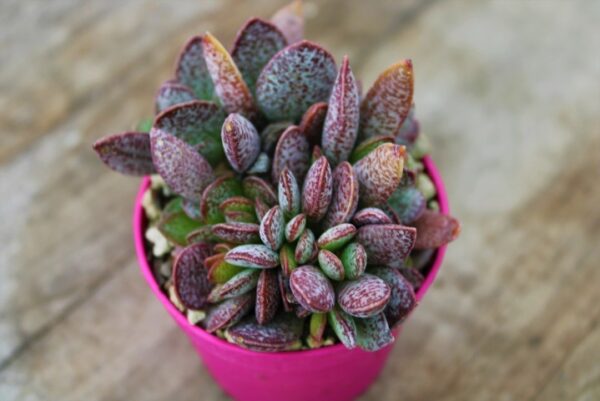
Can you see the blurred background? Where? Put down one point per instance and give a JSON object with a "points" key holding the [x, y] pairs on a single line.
{"points": [[507, 90]]}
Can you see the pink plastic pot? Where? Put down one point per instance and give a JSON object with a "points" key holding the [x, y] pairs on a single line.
{"points": [[332, 373]]}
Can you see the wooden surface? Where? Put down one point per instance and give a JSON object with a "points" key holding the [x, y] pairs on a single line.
{"points": [[509, 93]]}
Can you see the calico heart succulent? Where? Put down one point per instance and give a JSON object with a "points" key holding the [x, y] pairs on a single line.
{"points": [[286, 210]]}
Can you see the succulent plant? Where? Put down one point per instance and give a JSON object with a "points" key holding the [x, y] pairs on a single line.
{"points": [[286, 209]]}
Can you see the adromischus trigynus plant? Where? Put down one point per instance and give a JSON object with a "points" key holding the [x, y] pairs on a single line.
{"points": [[293, 210]]}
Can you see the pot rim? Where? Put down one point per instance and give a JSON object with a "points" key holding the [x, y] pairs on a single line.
{"points": [[180, 318]]}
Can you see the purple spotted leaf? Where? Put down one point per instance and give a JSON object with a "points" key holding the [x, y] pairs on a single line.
{"points": [[281, 334], [184, 170], [312, 122], [191, 69], [371, 215], [344, 200], [373, 333], [435, 229], [387, 244], [295, 227], [318, 323], [272, 228], [290, 20], [379, 173], [364, 297], [230, 87], [240, 142], [256, 187], [305, 247], [127, 153], [408, 203], [242, 283], [288, 193], [292, 151], [336, 237], [269, 136], [218, 191], [262, 165], [312, 289], [256, 43], [343, 326], [287, 298], [190, 278], [414, 277], [171, 93], [252, 256], [331, 265], [369, 145], [237, 233], [287, 259], [388, 102], [294, 79], [229, 312], [402, 299], [317, 190], [341, 124], [267, 296], [354, 260]]}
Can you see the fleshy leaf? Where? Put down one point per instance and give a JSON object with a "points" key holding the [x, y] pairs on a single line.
{"points": [[222, 271], [288, 193], [127, 153], [252, 256], [256, 187], [344, 200], [233, 216], [260, 208], [282, 334], [262, 165], [341, 124], [297, 77], [287, 298], [364, 297], [191, 69], [373, 333], [371, 215], [184, 170], [240, 142], [170, 93], [242, 283], [267, 296], [228, 313], [354, 260], [218, 191], [190, 278], [435, 229], [313, 121], [176, 227], [317, 190], [388, 102], [227, 79], [292, 151], [272, 228], [331, 265], [237, 204], [336, 237], [236, 233], [295, 227], [290, 20], [387, 244], [256, 43], [270, 135], [367, 146], [305, 247], [379, 173], [318, 323], [287, 260], [343, 326], [402, 299], [408, 203], [312, 289], [200, 234]]}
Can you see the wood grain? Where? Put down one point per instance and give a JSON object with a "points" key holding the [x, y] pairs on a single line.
{"points": [[507, 90]]}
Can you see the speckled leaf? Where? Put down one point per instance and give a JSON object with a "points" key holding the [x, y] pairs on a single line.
{"points": [[408, 203], [387, 244], [435, 229], [256, 43], [331, 265], [367, 146], [234, 216], [237, 204], [222, 271], [281, 334], [184, 170], [191, 69], [287, 260], [293, 152], [312, 122], [318, 323], [272, 228], [170, 93], [200, 234], [287, 298], [402, 299], [242, 283], [288, 193], [387, 103], [379, 173], [240, 142], [228, 312], [191, 209], [269, 136], [127, 153], [294, 79], [312, 289], [260, 208], [190, 278], [218, 191], [373, 333], [262, 165], [317, 190], [343, 326], [336, 237], [267, 296], [256, 187], [414, 277], [253, 256], [344, 200], [236, 233], [364, 297], [290, 20], [295, 227], [354, 260], [370, 215], [230, 87], [341, 124], [305, 246]]}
